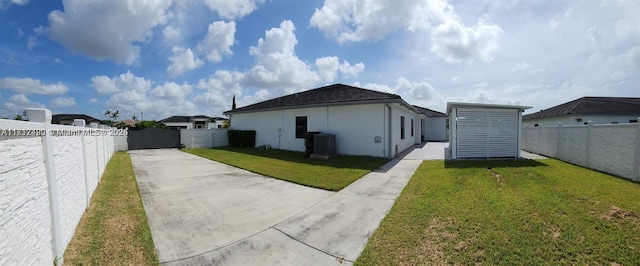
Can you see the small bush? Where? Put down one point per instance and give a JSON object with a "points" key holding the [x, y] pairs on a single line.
{"points": [[247, 138], [308, 142], [234, 139]]}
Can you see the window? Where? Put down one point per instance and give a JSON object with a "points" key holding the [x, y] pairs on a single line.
{"points": [[301, 126], [402, 127], [536, 125], [614, 123], [633, 121], [412, 127], [219, 126]]}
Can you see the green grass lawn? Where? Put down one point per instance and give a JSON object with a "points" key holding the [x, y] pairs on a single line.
{"points": [[333, 174], [114, 230], [516, 212]]}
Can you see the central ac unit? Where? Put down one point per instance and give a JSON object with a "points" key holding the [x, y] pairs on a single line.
{"points": [[324, 144]]}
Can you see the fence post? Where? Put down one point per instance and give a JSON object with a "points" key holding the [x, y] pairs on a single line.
{"points": [[96, 133], [558, 140], [539, 131], [82, 123], [211, 137], [636, 159], [43, 115], [588, 146]]}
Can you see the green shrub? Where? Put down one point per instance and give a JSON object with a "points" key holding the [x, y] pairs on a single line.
{"points": [[234, 139], [308, 142], [247, 138]]}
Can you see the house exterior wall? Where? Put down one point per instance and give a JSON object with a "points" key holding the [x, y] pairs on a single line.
{"points": [[189, 125], [571, 120], [216, 124], [396, 139], [355, 126], [436, 129]]}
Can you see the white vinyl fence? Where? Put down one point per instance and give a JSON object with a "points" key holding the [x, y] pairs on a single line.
{"points": [[47, 176], [610, 148], [204, 138]]}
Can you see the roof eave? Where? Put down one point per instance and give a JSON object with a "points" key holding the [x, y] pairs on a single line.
{"points": [[451, 105], [393, 100]]}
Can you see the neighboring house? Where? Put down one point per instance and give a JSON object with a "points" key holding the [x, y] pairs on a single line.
{"points": [[364, 122], [129, 122], [485, 130], [67, 119], [598, 110], [434, 127], [193, 122]]}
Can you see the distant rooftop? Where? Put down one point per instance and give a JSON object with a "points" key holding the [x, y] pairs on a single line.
{"points": [[591, 106], [188, 118], [55, 119]]}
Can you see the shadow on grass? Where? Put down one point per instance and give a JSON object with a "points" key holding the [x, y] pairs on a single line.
{"points": [[340, 161], [491, 163]]}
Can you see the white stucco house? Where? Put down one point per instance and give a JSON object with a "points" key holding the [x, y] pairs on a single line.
{"points": [[193, 122], [434, 126], [364, 122], [485, 130], [598, 110]]}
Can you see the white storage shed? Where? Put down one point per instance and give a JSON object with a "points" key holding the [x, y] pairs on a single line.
{"points": [[484, 130]]}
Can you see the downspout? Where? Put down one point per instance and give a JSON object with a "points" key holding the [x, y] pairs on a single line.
{"points": [[390, 139]]}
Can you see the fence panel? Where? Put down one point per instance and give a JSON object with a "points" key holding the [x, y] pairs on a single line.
{"points": [[613, 149]]}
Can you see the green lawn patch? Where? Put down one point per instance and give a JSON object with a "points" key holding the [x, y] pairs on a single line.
{"points": [[333, 174], [114, 230], [509, 212]]}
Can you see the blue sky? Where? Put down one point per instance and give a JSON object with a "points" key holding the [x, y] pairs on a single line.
{"points": [[190, 57]]}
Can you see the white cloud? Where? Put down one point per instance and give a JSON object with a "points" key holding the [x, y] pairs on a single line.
{"points": [[63, 102], [455, 42], [182, 60], [328, 68], [19, 102], [418, 93], [29, 85], [276, 64], [218, 41], [106, 29], [171, 33], [354, 21], [233, 9], [171, 91], [594, 35], [135, 94], [125, 81], [5, 3], [219, 90], [32, 42], [94, 100], [521, 67]]}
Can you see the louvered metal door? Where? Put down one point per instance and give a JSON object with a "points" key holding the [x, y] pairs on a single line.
{"points": [[486, 133]]}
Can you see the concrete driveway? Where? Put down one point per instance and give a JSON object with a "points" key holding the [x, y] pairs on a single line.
{"points": [[206, 213]]}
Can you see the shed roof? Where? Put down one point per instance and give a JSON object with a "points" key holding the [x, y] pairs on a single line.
{"points": [[451, 105], [591, 106], [335, 94]]}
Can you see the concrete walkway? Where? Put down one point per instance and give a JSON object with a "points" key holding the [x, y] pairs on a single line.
{"points": [[206, 213]]}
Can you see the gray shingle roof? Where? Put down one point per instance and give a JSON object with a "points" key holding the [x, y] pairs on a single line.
{"points": [[591, 106], [189, 118], [429, 112], [55, 119], [332, 94]]}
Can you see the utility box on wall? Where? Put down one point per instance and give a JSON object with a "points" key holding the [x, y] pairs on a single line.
{"points": [[324, 146]]}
